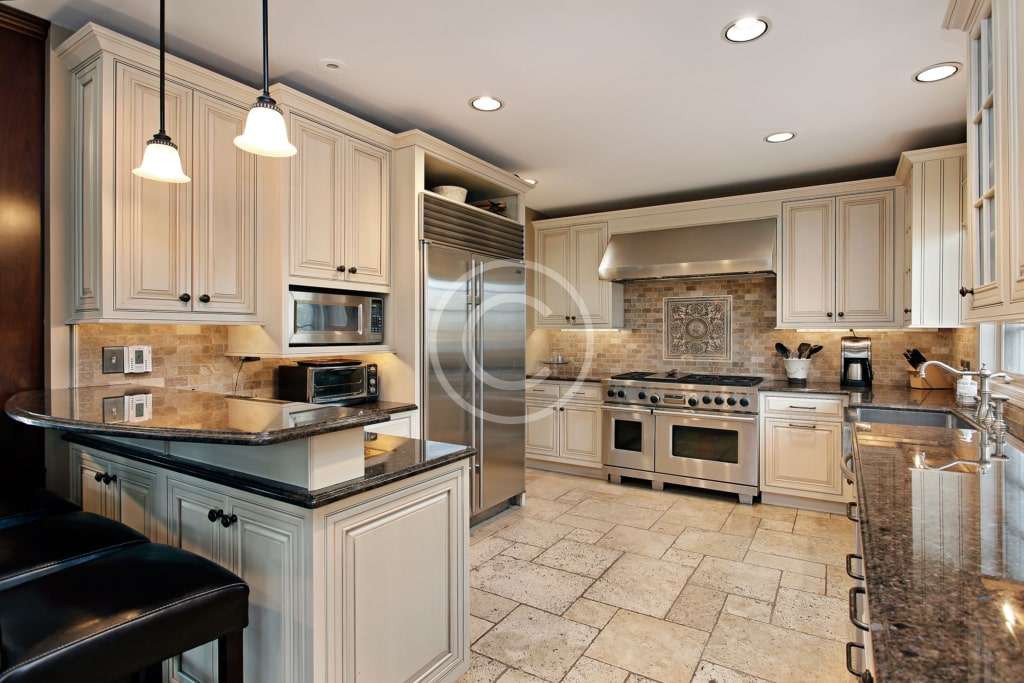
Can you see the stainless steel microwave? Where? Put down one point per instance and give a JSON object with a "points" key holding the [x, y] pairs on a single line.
{"points": [[327, 319], [346, 382]]}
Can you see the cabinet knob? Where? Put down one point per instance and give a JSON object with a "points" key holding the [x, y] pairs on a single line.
{"points": [[566, 318], [214, 515], [99, 476], [573, 318], [353, 269], [109, 478], [185, 297], [228, 520], [840, 314], [829, 314], [964, 291], [341, 269], [205, 298], [906, 310], [561, 410]]}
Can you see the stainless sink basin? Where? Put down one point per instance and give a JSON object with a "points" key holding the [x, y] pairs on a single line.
{"points": [[915, 418]]}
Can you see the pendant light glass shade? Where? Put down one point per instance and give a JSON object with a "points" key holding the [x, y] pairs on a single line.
{"points": [[161, 161], [265, 133]]}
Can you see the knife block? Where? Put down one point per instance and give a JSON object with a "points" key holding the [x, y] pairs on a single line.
{"points": [[935, 378]]}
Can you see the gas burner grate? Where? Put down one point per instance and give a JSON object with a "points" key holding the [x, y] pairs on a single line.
{"points": [[722, 380], [633, 375]]}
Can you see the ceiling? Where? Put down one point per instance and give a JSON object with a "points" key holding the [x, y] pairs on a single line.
{"points": [[609, 104]]}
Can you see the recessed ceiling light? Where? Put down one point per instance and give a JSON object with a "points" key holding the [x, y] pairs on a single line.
{"points": [[745, 30], [486, 103], [937, 72], [331, 64], [528, 181], [781, 136]]}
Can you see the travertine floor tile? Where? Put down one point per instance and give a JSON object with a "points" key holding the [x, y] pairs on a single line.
{"points": [[775, 512], [824, 527], [809, 548], [774, 653], [585, 523], [617, 513], [482, 670], [714, 673], [547, 488], [536, 642], [534, 532], [788, 564], [517, 676], [802, 582], [542, 587], [539, 508], [713, 543], [650, 647], [596, 614], [584, 536], [488, 606], [741, 525], [776, 525], [839, 583], [818, 615], [637, 541], [478, 627], [486, 549], [592, 671], [684, 557], [494, 524], [522, 551], [697, 607], [640, 584], [675, 520], [738, 578], [748, 608], [579, 558]]}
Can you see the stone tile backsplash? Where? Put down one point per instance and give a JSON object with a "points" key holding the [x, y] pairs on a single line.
{"points": [[639, 345]]}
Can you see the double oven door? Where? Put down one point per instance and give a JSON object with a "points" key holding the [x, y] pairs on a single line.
{"points": [[629, 437], [707, 446]]}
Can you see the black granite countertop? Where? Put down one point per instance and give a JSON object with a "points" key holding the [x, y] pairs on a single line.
{"points": [[388, 459], [944, 554], [879, 396], [183, 415], [389, 407], [563, 377]]}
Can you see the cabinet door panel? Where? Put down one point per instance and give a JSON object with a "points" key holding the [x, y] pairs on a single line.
{"points": [[87, 231], [541, 428], [224, 180], [808, 269], [135, 501], [803, 457], [588, 245], [317, 200], [94, 494], [864, 253], [581, 433], [367, 227], [153, 220], [265, 550], [553, 253]]}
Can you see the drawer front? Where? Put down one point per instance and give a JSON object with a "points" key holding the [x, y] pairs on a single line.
{"points": [[541, 390], [580, 392], [804, 407]]}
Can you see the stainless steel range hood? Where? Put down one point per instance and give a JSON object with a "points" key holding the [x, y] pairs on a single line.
{"points": [[740, 248]]}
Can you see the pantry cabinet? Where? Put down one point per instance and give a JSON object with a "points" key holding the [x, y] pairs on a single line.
{"points": [[564, 424], [837, 267], [567, 284]]}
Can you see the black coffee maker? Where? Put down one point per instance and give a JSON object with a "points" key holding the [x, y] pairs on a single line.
{"points": [[855, 361]]}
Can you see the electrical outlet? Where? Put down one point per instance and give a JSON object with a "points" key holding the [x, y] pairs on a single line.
{"points": [[113, 359]]}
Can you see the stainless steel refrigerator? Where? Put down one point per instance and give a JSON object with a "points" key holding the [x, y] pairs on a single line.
{"points": [[474, 327]]}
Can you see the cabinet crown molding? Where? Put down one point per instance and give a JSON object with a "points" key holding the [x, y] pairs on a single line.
{"points": [[453, 154], [914, 156], [961, 15], [14, 19]]}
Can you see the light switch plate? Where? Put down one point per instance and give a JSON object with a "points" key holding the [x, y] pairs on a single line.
{"points": [[113, 359]]}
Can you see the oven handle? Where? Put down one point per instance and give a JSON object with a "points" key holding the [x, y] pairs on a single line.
{"points": [[628, 409], [707, 416]]}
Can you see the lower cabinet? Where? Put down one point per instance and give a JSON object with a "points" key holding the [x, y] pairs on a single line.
{"points": [[564, 427], [125, 493], [405, 424]]}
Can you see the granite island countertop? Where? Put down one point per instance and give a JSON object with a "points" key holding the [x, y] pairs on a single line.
{"points": [[189, 416], [944, 554], [879, 396]]}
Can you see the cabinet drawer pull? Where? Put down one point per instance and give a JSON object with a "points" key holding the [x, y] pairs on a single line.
{"points": [[802, 426], [214, 515], [803, 407], [850, 557], [863, 676], [228, 520], [854, 618], [849, 512]]}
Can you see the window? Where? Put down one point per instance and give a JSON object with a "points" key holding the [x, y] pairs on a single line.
{"points": [[1002, 347], [983, 152]]}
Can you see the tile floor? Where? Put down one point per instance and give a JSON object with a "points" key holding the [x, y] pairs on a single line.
{"points": [[592, 582]]}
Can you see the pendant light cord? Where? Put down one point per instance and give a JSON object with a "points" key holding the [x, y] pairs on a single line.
{"points": [[163, 131], [266, 53]]}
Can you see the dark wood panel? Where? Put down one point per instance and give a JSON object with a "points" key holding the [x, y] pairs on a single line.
{"points": [[22, 153]]}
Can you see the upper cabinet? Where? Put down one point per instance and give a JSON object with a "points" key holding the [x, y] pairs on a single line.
{"points": [[994, 209], [567, 284], [837, 262]]}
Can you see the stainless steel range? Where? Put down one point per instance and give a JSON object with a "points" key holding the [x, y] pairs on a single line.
{"points": [[695, 430]]}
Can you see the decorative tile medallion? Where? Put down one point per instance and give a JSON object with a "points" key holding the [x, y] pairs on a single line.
{"points": [[698, 328]]}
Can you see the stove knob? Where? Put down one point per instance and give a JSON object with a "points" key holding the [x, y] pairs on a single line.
{"points": [[744, 402], [731, 401], [620, 393], [692, 402], [655, 399], [611, 392], [641, 395], [718, 400], [706, 400]]}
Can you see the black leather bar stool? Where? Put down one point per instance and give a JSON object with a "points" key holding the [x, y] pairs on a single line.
{"points": [[18, 506], [121, 615], [47, 544]]}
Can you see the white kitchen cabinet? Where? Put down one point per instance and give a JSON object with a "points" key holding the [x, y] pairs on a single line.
{"points": [[838, 268], [933, 236], [129, 494], [572, 292], [367, 226], [564, 424], [580, 431], [541, 428], [405, 424]]}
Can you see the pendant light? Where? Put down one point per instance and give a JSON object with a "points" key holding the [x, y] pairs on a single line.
{"points": [[265, 133], [161, 160]]}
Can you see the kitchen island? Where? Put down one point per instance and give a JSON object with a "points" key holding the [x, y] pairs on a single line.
{"points": [[354, 545]]}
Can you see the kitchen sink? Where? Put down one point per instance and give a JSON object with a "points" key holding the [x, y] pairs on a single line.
{"points": [[914, 418]]}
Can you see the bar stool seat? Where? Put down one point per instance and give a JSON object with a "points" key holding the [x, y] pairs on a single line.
{"points": [[47, 544], [119, 614], [17, 506]]}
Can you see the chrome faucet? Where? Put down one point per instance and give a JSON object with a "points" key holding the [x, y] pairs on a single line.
{"points": [[988, 418]]}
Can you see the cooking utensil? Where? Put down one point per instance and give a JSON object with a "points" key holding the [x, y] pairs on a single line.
{"points": [[782, 349], [813, 350], [801, 351]]}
